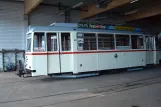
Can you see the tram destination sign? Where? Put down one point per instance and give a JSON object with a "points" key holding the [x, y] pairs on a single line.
{"points": [[107, 27]]}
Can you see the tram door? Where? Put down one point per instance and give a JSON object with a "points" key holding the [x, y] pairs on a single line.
{"points": [[150, 47], [65, 50], [53, 56]]}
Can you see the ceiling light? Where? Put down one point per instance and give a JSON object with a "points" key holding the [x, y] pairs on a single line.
{"points": [[52, 24], [133, 1], [77, 5], [131, 12]]}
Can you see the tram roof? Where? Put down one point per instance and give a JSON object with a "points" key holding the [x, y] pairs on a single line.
{"points": [[68, 29]]}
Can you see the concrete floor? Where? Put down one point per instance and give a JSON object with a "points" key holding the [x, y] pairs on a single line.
{"points": [[126, 89]]}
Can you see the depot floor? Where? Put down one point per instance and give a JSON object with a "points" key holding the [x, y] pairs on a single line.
{"points": [[123, 89]]}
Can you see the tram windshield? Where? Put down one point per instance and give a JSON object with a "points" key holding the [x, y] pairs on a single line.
{"points": [[39, 42]]}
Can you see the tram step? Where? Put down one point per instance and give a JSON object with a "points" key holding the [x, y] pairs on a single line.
{"points": [[135, 69], [77, 76]]}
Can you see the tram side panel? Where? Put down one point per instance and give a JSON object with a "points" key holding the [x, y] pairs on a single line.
{"points": [[66, 62], [86, 62], [40, 65], [158, 57], [28, 61], [36, 63], [130, 59], [53, 63], [106, 60], [116, 60]]}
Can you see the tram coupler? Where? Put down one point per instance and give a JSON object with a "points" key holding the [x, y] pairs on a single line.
{"points": [[24, 72]]}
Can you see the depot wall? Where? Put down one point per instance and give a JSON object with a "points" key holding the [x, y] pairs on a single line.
{"points": [[47, 14], [14, 24]]}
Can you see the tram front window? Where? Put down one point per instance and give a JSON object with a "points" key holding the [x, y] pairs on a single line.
{"points": [[39, 42]]}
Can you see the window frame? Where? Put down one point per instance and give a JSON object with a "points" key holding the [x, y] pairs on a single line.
{"points": [[60, 41], [107, 34], [87, 33], [144, 47], [57, 35], [33, 34], [124, 46], [28, 37]]}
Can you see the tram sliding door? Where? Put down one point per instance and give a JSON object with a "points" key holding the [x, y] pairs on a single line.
{"points": [[53, 57], [65, 52], [152, 50], [150, 47], [123, 59]]}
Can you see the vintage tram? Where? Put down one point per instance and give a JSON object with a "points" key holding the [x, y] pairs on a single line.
{"points": [[57, 49]]}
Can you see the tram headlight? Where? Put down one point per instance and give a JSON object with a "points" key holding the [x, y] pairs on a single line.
{"points": [[29, 67]]}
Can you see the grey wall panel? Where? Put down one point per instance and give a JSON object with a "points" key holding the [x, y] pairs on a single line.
{"points": [[75, 16], [47, 14], [11, 25], [12, 29], [44, 15]]}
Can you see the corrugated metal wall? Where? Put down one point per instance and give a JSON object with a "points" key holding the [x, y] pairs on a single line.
{"points": [[11, 30], [13, 24]]}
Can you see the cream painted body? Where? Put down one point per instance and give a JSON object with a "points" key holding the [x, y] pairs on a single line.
{"points": [[75, 61]]}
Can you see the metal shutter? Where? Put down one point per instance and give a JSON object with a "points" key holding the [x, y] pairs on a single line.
{"points": [[11, 28], [11, 25]]}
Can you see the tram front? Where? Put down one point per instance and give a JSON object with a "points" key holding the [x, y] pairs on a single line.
{"points": [[35, 56]]}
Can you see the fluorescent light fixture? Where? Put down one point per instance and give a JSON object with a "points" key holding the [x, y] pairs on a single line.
{"points": [[52, 24], [78, 5], [133, 1], [75, 6], [131, 12], [60, 14]]}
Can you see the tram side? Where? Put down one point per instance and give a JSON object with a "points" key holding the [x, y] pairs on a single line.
{"points": [[103, 51], [51, 53]]}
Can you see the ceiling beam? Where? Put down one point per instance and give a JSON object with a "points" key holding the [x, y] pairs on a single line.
{"points": [[143, 13], [30, 5], [93, 10]]}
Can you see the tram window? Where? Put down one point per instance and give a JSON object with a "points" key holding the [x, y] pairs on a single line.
{"points": [[105, 41], [29, 45], [39, 42], [52, 42], [137, 42], [86, 41], [65, 41], [89, 41], [122, 41]]}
